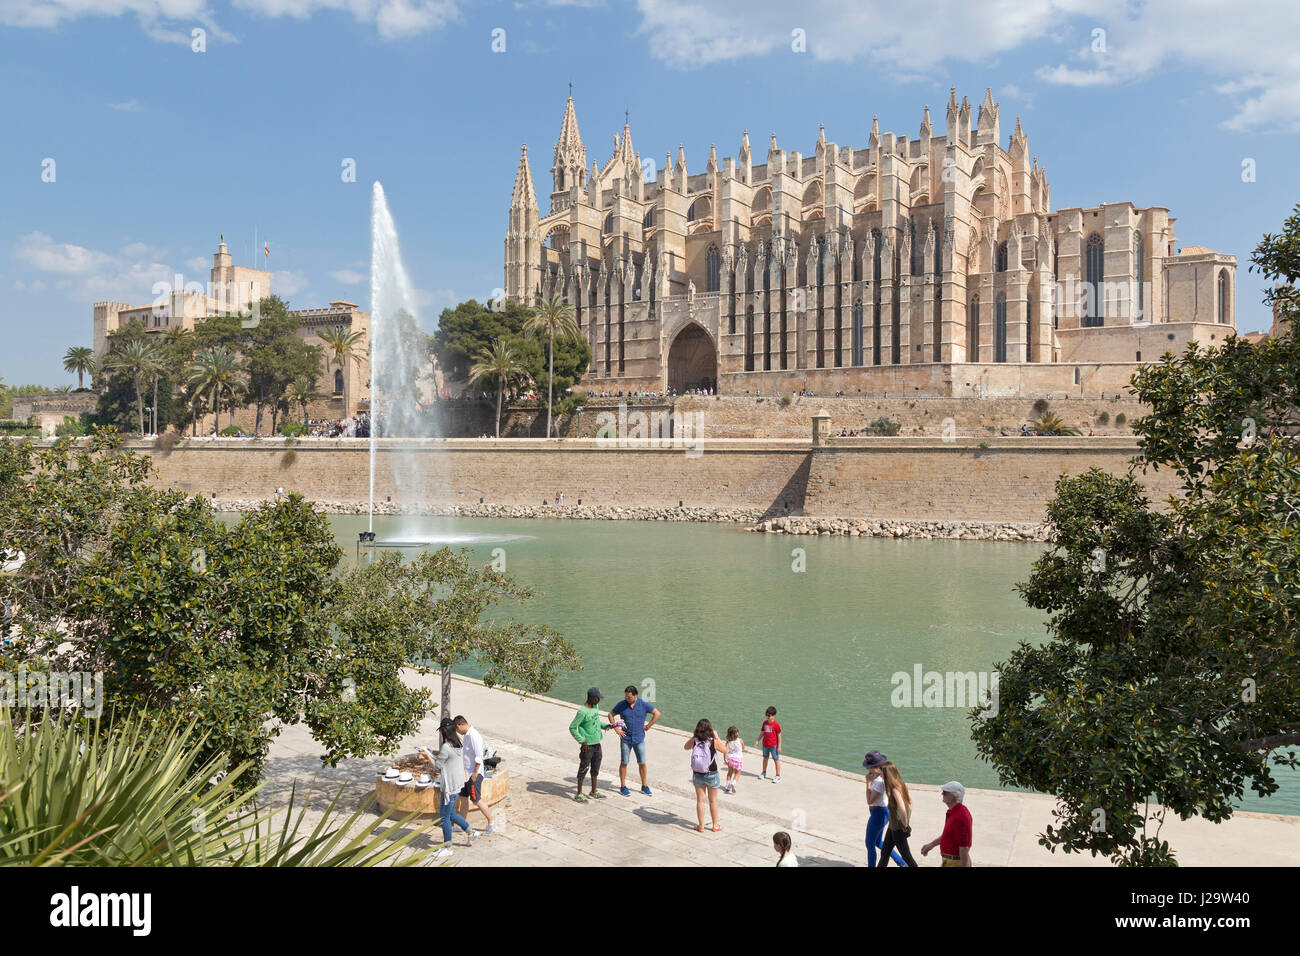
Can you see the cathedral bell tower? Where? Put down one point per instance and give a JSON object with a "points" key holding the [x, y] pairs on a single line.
{"points": [[523, 244], [570, 166]]}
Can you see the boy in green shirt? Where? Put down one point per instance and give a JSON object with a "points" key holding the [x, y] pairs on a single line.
{"points": [[587, 729]]}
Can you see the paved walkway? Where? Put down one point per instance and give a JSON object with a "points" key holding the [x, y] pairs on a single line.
{"points": [[822, 808]]}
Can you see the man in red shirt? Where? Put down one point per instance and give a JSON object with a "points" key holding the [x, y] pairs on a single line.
{"points": [[954, 843]]}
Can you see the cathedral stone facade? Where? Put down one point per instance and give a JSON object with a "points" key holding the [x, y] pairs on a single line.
{"points": [[931, 266]]}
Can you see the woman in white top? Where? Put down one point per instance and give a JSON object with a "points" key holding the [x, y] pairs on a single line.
{"points": [[782, 843], [451, 778], [877, 806]]}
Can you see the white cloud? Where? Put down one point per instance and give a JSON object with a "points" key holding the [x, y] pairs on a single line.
{"points": [[287, 283], [394, 19], [348, 276], [42, 253], [170, 21], [129, 106], [1250, 51], [201, 264]]}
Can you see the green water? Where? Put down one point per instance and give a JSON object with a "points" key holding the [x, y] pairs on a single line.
{"points": [[717, 624]]}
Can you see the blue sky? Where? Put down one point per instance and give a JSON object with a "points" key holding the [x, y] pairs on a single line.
{"points": [[158, 148]]}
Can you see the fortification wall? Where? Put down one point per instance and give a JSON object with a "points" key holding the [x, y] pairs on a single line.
{"points": [[918, 479]]}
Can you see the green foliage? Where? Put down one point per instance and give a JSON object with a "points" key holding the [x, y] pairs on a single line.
{"points": [[239, 627], [786, 400], [19, 429], [79, 793], [231, 431], [1121, 419], [71, 428], [1049, 423], [467, 330], [1169, 682], [883, 426], [1103, 418], [276, 359], [292, 429]]}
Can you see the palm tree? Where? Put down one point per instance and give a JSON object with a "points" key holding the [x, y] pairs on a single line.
{"points": [[139, 360], [81, 360], [216, 370], [1050, 424], [340, 344], [554, 316], [303, 392], [501, 362]]}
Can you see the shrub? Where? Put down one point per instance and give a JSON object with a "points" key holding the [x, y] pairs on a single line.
{"points": [[71, 427], [985, 445], [883, 426], [231, 431], [293, 429], [786, 400], [167, 441], [1104, 418], [288, 458], [1121, 418], [1049, 424], [19, 429], [1040, 406]]}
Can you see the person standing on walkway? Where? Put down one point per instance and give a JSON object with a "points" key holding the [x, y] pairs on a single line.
{"points": [[900, 816], [770, 738], [704, 745], [877, 806], [451, 778], [783, 845], [955, 841], [473, 748], [735, 758], [634, 711], [586, 729]]}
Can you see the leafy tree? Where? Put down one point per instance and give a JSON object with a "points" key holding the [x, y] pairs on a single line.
{"points": [[79, 359], [276, 357], [1169, 681], [465, 331], [431, 610], [240, 628], [500, 365], [553, 319]]}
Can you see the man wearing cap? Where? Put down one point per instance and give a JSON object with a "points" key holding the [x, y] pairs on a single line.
{"points": [[954, 843], [586, 728]]}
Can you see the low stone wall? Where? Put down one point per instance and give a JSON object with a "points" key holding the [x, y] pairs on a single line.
{"points": [[997, 480], [563, 511], [953, 530]]}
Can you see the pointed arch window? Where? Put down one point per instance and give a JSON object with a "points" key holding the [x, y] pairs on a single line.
{"points": [[713, 270], [1223, 297], [973, 330], [1094, 270], [338, 381], [857, 332], [917, 265], [1140, 263], [821, 260], [1000, 328], [1002, 257]]}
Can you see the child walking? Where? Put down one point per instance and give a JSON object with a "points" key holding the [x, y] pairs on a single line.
{"points": [[735, 758], [770, 737]]}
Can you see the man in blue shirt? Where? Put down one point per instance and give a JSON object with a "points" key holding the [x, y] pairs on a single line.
{"points": [[633, 711]]}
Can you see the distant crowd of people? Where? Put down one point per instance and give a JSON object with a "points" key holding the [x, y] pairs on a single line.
{"points": [[356, 427]]}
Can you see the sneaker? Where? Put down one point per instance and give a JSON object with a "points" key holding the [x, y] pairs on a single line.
{"points": [[596, 795], [647, 791], [625, 791], [776, 779], [581, 798], [763, 775], [443, 854], [491, 828]]}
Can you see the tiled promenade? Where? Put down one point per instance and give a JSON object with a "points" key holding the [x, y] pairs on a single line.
{"points": [[823, 809]]}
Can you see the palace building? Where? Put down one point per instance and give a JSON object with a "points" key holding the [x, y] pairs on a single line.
{"points": [[235, 289], [932, 266]]}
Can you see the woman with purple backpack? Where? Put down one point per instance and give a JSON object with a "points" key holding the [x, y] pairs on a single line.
{"points": [[704, 745]]}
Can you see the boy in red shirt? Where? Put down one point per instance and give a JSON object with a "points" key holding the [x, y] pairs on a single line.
{"points": [[770, 737]]}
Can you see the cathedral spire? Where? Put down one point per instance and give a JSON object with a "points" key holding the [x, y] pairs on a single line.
{"points": [[524, 195], [570, 140], [874, 141], [926, 128], [713, 158], [744, 148], [821, 139]]}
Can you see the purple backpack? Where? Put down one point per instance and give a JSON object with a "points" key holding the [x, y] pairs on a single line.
{"points": [[702, 757]]}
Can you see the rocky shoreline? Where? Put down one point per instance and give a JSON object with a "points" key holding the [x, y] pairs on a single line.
{"points": [[790, 524], [887, 528]]}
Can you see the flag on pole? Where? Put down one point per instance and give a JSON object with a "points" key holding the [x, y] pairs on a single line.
{"points": [[266, 249]]}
